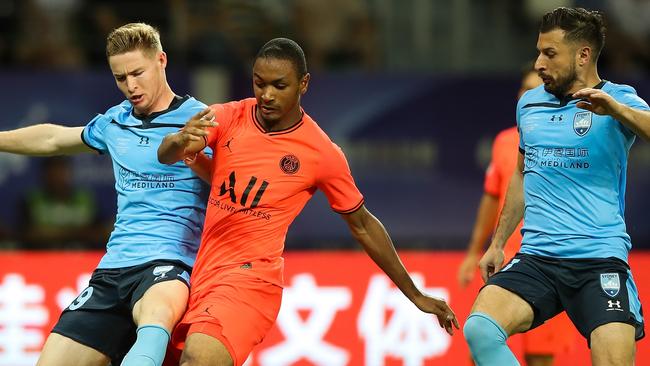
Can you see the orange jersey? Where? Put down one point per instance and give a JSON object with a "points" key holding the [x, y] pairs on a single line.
{"points": [[505, 152], [260, 182]]}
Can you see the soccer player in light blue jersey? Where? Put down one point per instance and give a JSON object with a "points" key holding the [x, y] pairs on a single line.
{"points": [[139, 290], [575, 134]]}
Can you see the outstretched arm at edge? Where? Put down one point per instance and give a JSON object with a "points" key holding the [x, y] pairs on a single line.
{"points": [[43, 140], [374, 239]]}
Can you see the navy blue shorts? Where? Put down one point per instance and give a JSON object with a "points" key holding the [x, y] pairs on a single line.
{"points": [[101, 316], [592, 291]]}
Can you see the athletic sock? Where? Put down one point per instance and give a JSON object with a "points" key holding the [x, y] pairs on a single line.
{"points": [[487, 341], [149, 347]]}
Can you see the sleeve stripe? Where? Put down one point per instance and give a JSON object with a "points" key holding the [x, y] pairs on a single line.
{"points": [[353, 209], [83, 139]]}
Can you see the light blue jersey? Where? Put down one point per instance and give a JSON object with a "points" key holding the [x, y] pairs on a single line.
{"points": [[160, 208], [574, 175]]}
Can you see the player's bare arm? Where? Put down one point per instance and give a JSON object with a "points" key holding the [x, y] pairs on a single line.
{"points": [[43, 140], [599, 102], [511, 215], [188, 140], [486, 216], [374, 239], [201, 164]]}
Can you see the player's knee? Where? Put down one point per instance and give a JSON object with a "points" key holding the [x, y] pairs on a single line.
{"points": [[482, 332], [202, 354], [189, 360]]}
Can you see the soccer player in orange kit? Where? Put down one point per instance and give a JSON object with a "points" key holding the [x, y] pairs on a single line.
{"points": [[557, 335], [269, 159]]}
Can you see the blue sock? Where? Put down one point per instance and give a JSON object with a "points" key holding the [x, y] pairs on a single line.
{"points": [[149, 348], [487, 341]]}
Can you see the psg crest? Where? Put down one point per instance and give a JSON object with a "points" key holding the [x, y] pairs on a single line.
{"points": [[582, 123], [610, 283], [289, 164]]}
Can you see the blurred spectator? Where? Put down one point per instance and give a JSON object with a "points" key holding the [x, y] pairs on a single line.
{"points": [[228, 33], [59, 216], [46, 34], [97, 18], [628, 36], [335, 33], [8, 20]]}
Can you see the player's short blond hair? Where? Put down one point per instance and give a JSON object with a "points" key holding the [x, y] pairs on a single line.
{"points": [[131, 37]]}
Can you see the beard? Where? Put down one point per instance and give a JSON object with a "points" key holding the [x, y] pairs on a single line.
{"points": [[561, 85]]}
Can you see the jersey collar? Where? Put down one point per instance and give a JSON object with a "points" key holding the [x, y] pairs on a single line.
{"points": [[289, 129]]}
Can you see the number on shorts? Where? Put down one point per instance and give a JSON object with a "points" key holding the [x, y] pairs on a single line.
{"points": [[81, 299]]}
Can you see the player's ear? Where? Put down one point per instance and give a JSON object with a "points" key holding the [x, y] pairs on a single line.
{"points": [[584, 55], [304, 83], [161, 57]]}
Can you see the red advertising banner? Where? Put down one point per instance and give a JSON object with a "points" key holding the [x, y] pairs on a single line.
{"points": [[338, 309]]}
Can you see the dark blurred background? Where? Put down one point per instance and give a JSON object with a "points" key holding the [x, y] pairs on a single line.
{"points": [[413, 90]]}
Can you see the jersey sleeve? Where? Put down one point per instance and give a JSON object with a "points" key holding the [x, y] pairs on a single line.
{"points": [[223, 115], [93, 134], [518, 117], [627, 95], [335, 180], [492, 180], [492, 183]]}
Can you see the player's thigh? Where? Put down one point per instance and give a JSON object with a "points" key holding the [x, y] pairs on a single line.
{"points": [[204, 350], [99, 317], [238, 311], [613, 344], [522, 295], [539, 360], [63, 351], [509, 310], [163, 304]]}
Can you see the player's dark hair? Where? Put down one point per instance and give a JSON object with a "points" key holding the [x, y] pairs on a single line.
{"points": [[579, 25], [285, 49]]}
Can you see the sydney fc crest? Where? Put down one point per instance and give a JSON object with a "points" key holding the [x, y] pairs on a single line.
{"points": [[532, 155], [610, 283], [582, 123]]}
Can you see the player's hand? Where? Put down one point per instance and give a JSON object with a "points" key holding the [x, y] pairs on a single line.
{"points": [[196, 128], [438, 307], [196, 159], [596, 101], [467, 270], [491, 262]]}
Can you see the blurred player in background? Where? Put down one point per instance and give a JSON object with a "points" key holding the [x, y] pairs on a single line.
{"points": [[57, 214], [571, 176], [142, 280], [270, 157], [557, 335]]}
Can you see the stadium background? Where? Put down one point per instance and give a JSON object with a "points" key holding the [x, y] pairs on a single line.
{"points": [[414, 91]]}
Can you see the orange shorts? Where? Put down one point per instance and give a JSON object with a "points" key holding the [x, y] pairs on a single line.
{"points": [[556, 336], [238, 310]]}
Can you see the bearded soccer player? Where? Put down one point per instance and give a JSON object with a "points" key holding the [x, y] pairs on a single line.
{"points": [[541, 345], [140, 287], [270, 157], [575, 133]]}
